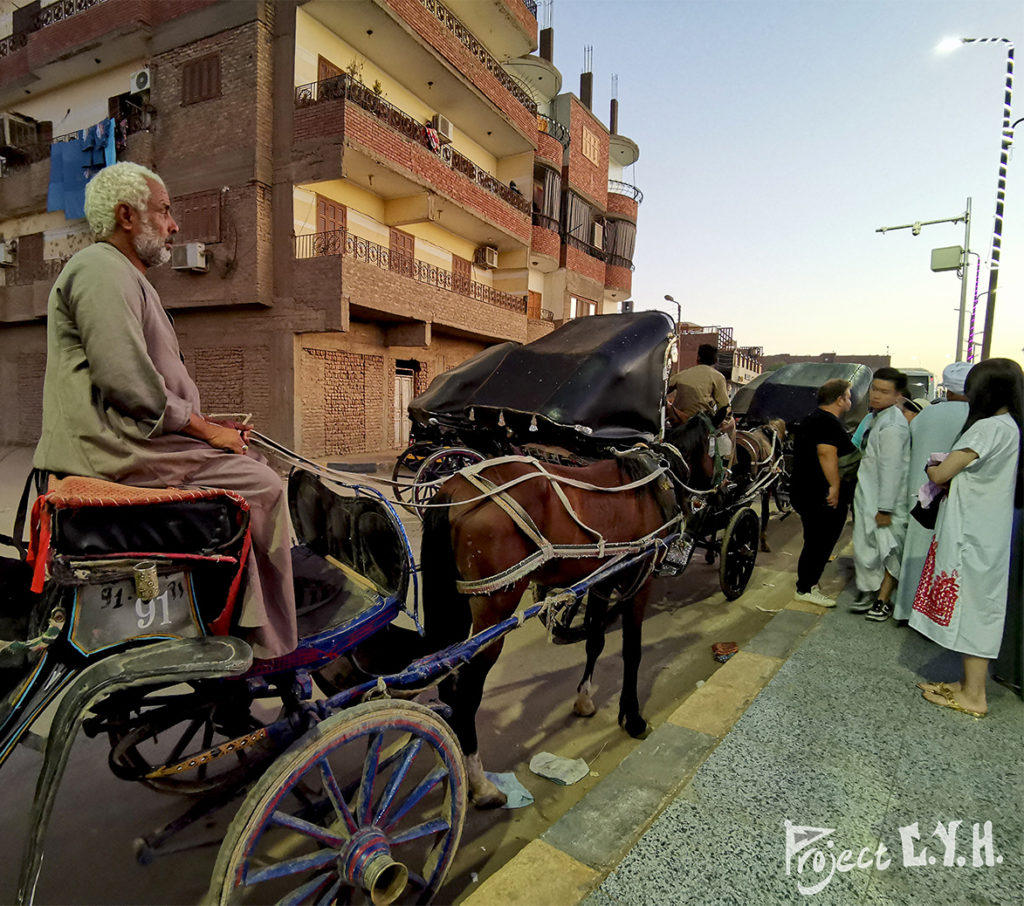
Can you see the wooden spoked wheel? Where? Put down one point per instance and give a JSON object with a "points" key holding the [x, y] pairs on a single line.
{"points": [[368, 807], [438, 466], [739, 552], [187, 741], [406, 466]]}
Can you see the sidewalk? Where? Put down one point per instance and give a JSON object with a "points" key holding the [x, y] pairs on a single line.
{"points": [[838, 741]]}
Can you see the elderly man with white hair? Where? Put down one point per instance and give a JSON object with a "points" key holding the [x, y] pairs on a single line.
{"points": [[118, 403], [934, 430]]}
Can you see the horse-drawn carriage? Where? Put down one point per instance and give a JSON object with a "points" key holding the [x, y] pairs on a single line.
{"points": [[590, 389], [127, 607]]}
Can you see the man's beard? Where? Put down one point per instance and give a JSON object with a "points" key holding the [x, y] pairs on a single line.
{"points": [[149, 246]]}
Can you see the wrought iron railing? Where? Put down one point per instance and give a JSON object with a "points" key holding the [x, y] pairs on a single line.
{"points": [[553, 128], [343, 87], [624, 188], [619, 261], [542, 220], [591, 250], [12, 43], [468, 40], [342, 242], [532, 7], [62, 9], [48, 15]]}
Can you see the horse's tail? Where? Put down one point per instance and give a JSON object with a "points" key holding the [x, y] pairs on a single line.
{"points": [[446, 612]]}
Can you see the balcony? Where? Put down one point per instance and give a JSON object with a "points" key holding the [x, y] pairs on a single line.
{"points": [[344, 243], [616, 187], [46, 55], [345, 88], [428, 50], [510, 25]]}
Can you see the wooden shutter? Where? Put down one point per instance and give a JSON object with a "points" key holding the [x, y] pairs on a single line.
{"points": [[533, 305], [330, 215], [200, 79], [198, 216], [325, 69], [402, 253], [462, 275]]}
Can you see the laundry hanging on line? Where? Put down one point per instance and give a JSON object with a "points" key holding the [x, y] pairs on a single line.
{"points": [[73, 163]]}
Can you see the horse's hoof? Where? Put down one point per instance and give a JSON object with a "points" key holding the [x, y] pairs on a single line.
{"points": [[495, 799], [634, 725], [766, 548], [584, 707]]}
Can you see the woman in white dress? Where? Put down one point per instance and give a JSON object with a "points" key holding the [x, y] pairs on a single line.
{"points": [[961, 598]]}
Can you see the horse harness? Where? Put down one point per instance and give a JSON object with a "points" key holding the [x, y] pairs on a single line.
{"points": [[646, 460]]}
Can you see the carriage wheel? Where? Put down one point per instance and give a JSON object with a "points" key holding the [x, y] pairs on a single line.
{"points": [[367, 807], [210, 738], [739, 551], [440, 465], [408, 464]]}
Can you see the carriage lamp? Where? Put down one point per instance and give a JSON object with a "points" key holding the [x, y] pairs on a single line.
{"points": [[147, 584]]}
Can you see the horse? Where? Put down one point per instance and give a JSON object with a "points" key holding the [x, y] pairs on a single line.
{"points": [[469, 539], [758, 451]]}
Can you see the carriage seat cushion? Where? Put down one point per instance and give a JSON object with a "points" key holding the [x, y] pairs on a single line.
{"points": [[95, 517]]}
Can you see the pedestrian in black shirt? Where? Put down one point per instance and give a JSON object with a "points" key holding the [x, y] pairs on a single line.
{"points": [[820, 441]]}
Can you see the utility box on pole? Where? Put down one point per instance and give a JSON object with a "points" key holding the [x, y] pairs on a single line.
{"points": [[947, 259]]}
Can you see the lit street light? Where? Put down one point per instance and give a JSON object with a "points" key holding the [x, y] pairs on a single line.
{"points": [[1006, 137]]}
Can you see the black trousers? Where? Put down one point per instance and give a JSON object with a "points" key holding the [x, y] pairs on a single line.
{"points": [[822, 527]]}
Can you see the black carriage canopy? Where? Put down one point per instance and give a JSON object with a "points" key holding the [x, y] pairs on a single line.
{"points": [[600, 377], [791, 392]]}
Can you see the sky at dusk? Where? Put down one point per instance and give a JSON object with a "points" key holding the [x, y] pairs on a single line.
{"points": [[776, 137]]}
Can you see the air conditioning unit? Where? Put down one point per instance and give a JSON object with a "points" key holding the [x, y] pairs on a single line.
{"points": [[443, 125], [140, 81], [16, 131], [189, 257], [7, 249], [486, 256], [597, 236]]}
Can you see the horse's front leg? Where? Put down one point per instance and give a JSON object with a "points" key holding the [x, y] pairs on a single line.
{"points": [[629, 705], [597, 607], [464, 692], [765, 505]]}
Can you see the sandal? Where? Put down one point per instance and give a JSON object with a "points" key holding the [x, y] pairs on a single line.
{"points": [[936, 688], [951, 702]]}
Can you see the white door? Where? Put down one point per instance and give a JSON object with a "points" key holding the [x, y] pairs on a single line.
{"points": [[405, 390]]}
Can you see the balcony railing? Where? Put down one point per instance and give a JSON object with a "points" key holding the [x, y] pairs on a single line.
{"points": [[586, 247], [342, 242], [619, 261], [469, 41], [343, 87], [553, 128], [532, 7], [624, 188], [48, 15], [542, 220]]}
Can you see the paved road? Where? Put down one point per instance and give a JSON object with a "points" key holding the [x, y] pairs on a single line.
{"points": [[527, 709]]}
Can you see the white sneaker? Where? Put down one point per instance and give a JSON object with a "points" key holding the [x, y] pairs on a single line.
{"points": [[815, 596]]}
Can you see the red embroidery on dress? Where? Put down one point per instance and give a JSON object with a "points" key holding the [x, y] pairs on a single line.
{"points": [[937, 596]]}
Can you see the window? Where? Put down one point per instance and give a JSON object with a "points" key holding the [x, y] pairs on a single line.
{"points": [[200, 79], [591, 145], [198, 216], [580, 308]]}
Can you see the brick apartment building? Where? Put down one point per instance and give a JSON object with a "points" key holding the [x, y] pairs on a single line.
{"points": [[382, 188], [739, 364]]}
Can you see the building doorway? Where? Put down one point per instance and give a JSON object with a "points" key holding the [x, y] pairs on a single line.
{"points": [[405, 390]]}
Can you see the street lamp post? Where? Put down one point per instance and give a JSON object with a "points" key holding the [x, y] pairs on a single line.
{"points": [[1006, 137]]}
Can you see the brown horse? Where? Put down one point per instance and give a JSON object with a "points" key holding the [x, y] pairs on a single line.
{"points": [[471, 539], [758, 452]]}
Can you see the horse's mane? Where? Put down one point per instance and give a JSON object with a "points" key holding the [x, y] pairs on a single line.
{"points": [[690, 439]]}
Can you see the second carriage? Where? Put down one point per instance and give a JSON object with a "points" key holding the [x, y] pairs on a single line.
{"points": [[590, 389]]}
